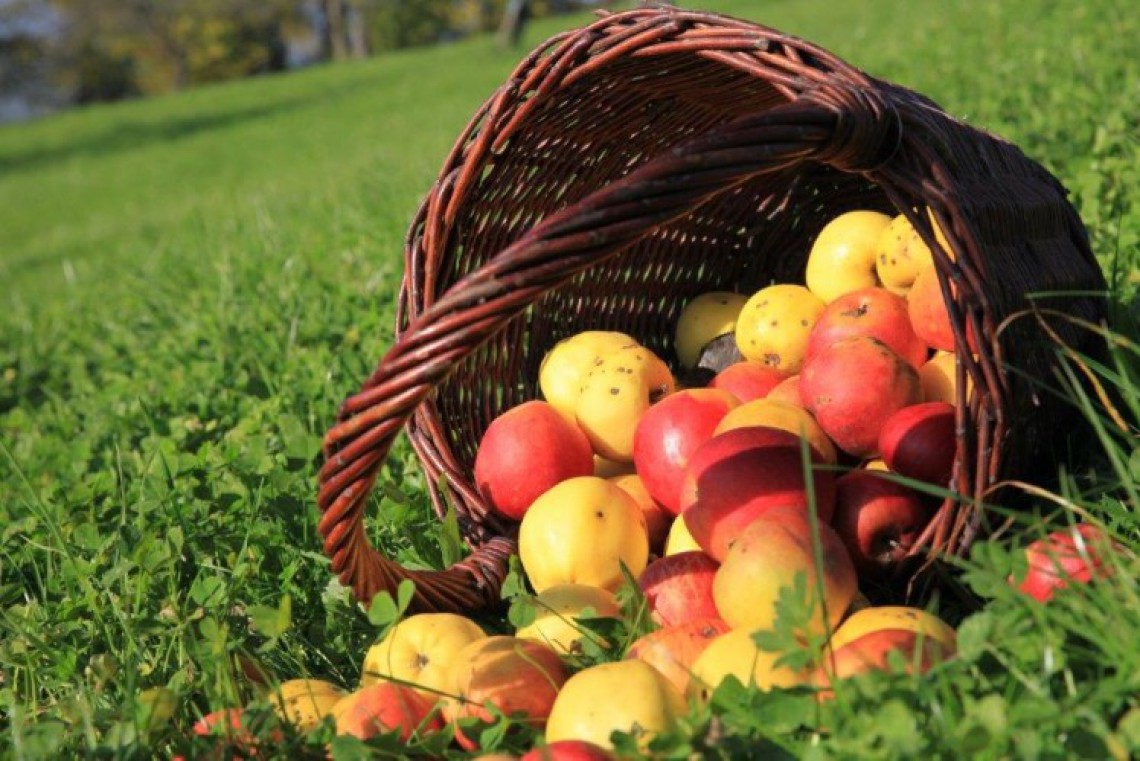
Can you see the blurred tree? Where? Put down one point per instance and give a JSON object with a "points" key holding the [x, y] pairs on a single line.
{"points": [[119, 45]]}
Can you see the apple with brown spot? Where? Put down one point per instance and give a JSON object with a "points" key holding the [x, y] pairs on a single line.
{"points": [[873, 312]]}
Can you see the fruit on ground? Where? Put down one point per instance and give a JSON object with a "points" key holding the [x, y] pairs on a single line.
{"points": [[765, 561], [736, 477], [657, 518], [419, 650], [385, 707], [873, 312], [787, 392], [919, 442], [929, 316], [524, 452], [853, 386], [747, 380], [567, 750], [626, 696], [878, 520], [703, 319], [668, 434], [873, 651], [674, 649], [565, 366], [678, 588], [616, 392], [735, 654], [771, 413], [842, 259], [305, 702], [896, 617], [557, 610], [581, 532], [514, 675], [234, 740], [679, 539], [1075, 555], [900, 254], [774, 325]]}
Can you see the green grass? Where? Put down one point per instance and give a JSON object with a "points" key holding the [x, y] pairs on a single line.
{"points": [[193, 283]]}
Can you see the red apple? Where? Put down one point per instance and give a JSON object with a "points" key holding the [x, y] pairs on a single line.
{"points": [[853, 386], [385, 707], [524, 452], [873, 312], [1071, 556], [568, 750], [877, 519], [678, 588], [747, 380], [668, 434], [788, 392], [673, 650], [918, 442], [737, 476], [929, 316]]}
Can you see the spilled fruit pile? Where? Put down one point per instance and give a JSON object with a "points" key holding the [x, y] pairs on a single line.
{"points": [[792, 463]]}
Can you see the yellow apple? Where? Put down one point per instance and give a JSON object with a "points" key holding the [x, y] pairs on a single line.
{"points": [[419, 651], [842, 259], [703, 319], [766, 559], [736, 654], [615, 393], [774, 325], [627, 696], [581, 532], [305, 702], [565, 366], [899, 255], [557, 610]]}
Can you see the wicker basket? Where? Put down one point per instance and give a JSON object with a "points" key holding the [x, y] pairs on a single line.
{"points": [[656, 154]]}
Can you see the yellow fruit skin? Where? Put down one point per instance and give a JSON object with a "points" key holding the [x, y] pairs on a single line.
{"points": [[735, 654], [419, 650], [771, 413], [580, 532], [767, 557], [842, 259], [615, 394], [899, 255], [939, 379], [565, 366], [679, 539], [774, 325], [610, 697], [557, 611], [305, 702], [703, 319], [874, 619]]}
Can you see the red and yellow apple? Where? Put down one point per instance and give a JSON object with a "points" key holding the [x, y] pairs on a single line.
{"points": [[557, 613], [678, 588], [1064, 558], [674, 649], [747, 380], [736, 654], [736, 477], [657, 518], [873, 619], [385, 707], [772, 413], [872, 312]]}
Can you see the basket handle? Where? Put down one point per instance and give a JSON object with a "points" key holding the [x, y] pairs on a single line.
{"points": [[851, 128]]}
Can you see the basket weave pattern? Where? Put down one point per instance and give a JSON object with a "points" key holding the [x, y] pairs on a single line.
{"points": [[656, 154]]}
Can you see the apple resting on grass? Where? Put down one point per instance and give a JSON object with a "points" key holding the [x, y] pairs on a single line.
{"points": [[873, 619], [853, 386], [878, 520], [673, 650], [420, 650], [382, 708], [736, 477], [872, 652], [736, 654], [524, 452], [1071, 556]]}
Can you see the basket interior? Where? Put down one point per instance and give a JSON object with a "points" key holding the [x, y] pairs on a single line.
{"points": [[594, 132]]}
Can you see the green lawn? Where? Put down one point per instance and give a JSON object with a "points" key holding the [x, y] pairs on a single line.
{"points": [[192, 283]]}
